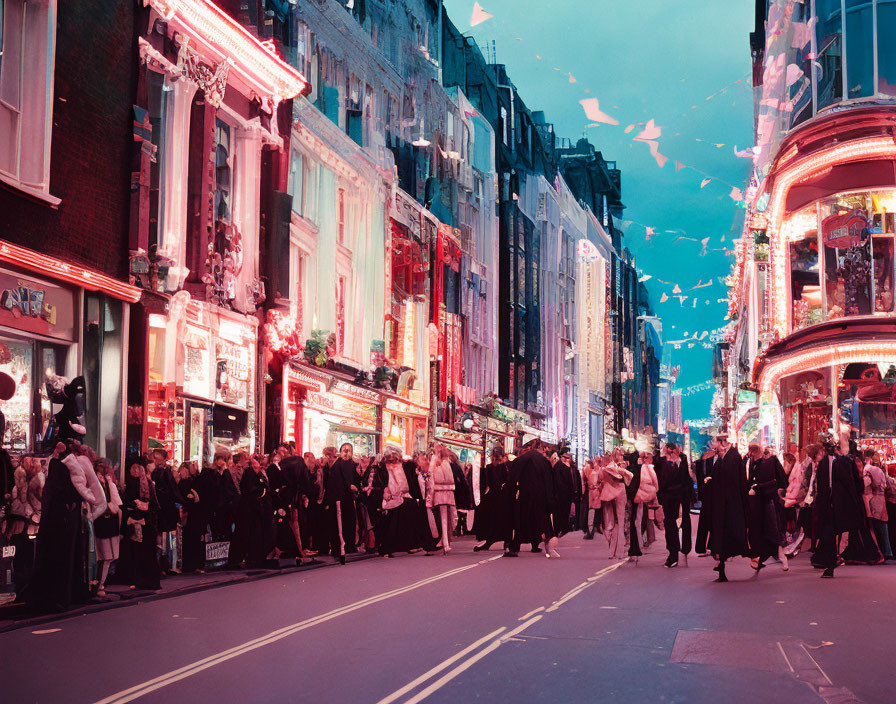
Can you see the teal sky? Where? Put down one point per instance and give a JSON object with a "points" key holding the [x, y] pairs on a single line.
{"points": [[642, 60]]}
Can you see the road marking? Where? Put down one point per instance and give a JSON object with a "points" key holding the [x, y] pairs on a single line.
{"points": [[438, 668], [786, 659], [468, 663], [531, 613], [815, 662], [168, 678], [497, 642]]}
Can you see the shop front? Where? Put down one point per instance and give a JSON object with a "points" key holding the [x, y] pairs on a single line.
{"points": [[405, 424], [468, 447], [57, 322], [322, 410], [201, 382]]}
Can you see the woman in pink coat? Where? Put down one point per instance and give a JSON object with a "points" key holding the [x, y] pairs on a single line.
{"points": [[592, 485], [442, 501], [613, 480]]}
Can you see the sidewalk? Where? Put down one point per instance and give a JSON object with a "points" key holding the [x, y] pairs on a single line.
{"points": [[14, 616]]}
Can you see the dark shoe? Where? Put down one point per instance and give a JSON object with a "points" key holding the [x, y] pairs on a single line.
{"points": [[481, 548], [828, 573], [536, 550], [589, 535], [342, 559], [757, 565], [511, 554], [722, 577], [670, 562]]}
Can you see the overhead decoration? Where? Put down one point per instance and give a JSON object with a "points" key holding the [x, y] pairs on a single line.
{"points": [[479, 15]]}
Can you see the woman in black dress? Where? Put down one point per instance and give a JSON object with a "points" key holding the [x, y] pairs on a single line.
{"points": [[140, 528], [494, 517], [257, 514], [196, 517]]}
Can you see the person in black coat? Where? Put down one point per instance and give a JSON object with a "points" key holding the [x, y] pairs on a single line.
{"points": [[532, 488], [674, 495], [861, 548], [284, 495], [703, 471], [256, 514], [196, 517], [836, 501], [564, 492], [342, 486], [494, 517], [632, 530], [170, 503], [765, 510], [59, 552], [139, 562], [728, 490]]}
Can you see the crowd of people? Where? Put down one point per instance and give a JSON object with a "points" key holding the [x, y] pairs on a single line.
{"points": [[75, 519]]}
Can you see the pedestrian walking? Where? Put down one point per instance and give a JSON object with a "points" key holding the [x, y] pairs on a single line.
{"points": [[342, 486], [443, 497], [594, 517], [256, 515], [674, 495], [531, 486], [613, 479], [765, 509], [728, 493], [494, 517], [875, 482], [646, 494]]}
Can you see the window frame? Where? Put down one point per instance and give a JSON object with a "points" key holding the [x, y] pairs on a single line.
{"points": [[36, 189]]}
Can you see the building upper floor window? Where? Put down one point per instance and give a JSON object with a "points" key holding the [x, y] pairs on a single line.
{"points": [[340, 215], [27, 47], [223, 171], [297, 182]]}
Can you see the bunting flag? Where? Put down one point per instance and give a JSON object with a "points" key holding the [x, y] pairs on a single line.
{"points": [[572, 78], [650, 232], [595, 114], [736, 194], [676, 289], [705, 182], [664, 298], [479, 15], [678, 166], [651, 132], [695, 303], [704, 242], [646, 277], [655, 152], [629, 129]]}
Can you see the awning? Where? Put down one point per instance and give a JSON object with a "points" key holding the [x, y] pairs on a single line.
{"points": [[70, 273]]}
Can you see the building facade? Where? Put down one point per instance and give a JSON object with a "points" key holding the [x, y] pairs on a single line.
{"points": [[812, 345]]}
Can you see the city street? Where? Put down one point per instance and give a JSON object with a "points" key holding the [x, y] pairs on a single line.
{"points": [[477, 626]]}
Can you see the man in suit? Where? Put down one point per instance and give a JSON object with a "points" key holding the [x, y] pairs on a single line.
{"points": [[674, 496]]}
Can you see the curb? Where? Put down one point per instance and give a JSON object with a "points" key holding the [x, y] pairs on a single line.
{"points": [[87, 609]]}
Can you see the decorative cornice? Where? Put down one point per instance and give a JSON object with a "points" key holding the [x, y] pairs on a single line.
{"points": [[219, 37]]}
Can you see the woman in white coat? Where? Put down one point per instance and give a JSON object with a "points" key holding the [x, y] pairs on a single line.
{"points": [[107, 527], [646, 493]]}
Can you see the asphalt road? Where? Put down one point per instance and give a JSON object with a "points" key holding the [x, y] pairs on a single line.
{"points": [[478, 627]]}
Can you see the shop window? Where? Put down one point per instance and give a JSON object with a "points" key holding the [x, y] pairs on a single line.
{"points": [[159, 104], [101, 368], [886, 47], [846, 242], [223, 171], [830, 57], [340, 314], [27, 45], [804, 282], [340, 216], [859, 49], [297, 182], [882, 252], [29, 412]]}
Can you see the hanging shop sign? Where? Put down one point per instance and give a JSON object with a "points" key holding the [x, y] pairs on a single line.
{"points": [[37, 307], [232, 368], [197, 381], [844, 231], [359, 414]]}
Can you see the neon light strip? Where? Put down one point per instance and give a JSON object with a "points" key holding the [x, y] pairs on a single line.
{"points": [[252, 58], [70, 273], [844, 353]]}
